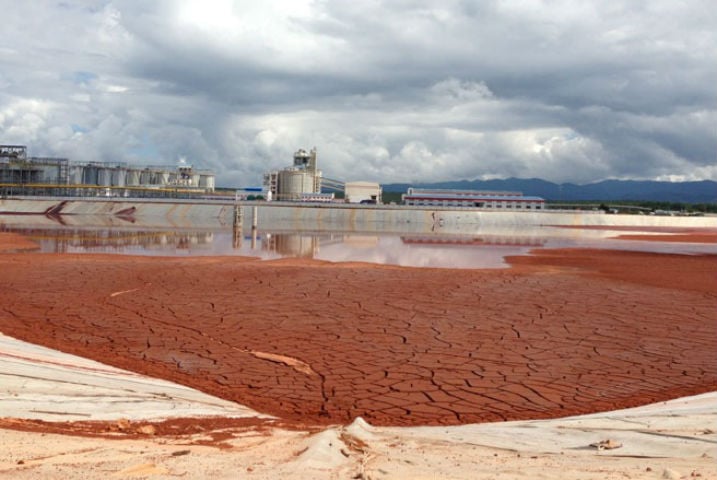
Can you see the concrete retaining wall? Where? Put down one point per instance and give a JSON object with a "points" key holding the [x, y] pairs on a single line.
{"points": [[216, 214]]}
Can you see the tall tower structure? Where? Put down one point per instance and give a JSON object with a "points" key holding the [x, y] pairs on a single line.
{"points": [[295, 182], [306, 160]]}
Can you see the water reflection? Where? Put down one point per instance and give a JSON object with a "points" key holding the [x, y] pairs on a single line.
{"points": [[486, 250], [75, 240]]}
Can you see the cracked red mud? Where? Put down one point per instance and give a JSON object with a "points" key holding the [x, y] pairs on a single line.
{"points": [[563, 332]]}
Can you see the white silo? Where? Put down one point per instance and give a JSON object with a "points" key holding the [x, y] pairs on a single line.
{"points": [[119, 177], [294, 182], [206, 181], [132, 179], [89, 175], [104, 176], [75, 174]]}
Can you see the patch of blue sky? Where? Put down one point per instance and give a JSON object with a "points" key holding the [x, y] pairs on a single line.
{"points": [[83, 78]]}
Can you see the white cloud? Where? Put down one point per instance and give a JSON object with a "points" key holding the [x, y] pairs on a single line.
{"points": [[387, 91]]}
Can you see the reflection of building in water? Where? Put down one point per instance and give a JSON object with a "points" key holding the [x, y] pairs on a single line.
{"points": [[361, 241], [488, 240], [186, 241], [110, 241], [298, 245], [291, 245]]}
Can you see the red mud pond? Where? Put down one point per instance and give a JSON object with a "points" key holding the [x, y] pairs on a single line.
{"points": [[560, 332], [486, 247]]}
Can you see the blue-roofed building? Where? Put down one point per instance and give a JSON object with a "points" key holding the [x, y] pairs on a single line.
{"points": [[489, 200]]}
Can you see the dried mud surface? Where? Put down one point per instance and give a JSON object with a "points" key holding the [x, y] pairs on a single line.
{"points": [[562, 332], [667, 234]]}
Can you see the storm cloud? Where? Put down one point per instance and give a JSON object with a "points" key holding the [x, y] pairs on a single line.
{"points": [[399, 91]]}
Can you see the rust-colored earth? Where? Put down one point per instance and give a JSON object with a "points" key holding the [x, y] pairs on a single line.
{"points": [[681, 238], [12, 242], [667, 234], [561, 332]]}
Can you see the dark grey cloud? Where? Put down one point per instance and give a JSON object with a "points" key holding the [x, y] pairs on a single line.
{"points": [[406, 90]]}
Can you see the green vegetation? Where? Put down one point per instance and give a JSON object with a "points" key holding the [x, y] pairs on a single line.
{"points": [[634, 206], [677, 206], [388, 197]]}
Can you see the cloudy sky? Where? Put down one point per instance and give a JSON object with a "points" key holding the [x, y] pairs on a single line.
{"points": [[389, 91]]}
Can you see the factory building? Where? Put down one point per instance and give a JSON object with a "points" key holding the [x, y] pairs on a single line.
{"points": [[362, 192], [492, 200], [300, 182], [17, 168]]}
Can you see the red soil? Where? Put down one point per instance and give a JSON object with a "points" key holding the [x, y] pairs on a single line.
{"points": [[215, 431], [681, 238], [12, 242], [563, 332], [671, 234]]}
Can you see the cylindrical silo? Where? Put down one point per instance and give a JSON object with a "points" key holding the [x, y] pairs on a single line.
{"points": [[132, 179], [89, 175], [75, 176], [104, 176], [294, 182], [206, 182], [119, 177]]}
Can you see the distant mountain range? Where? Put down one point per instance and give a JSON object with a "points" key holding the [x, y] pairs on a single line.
{"points": [[608, 190]]}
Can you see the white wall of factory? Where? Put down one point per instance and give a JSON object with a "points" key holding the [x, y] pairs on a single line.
{"points": [[356, 192]]}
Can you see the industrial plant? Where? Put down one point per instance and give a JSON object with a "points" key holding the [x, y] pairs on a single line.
{"points": [[17, 168], [472, 198], [299, 182], [304, 182]]}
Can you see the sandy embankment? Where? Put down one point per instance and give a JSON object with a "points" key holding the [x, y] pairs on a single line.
{"points": [[658, 234], [667, 440], [560, 333]]}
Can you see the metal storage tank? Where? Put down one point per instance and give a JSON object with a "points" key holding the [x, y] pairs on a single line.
{"points": [[132, 179], [292, 183], [89, 175], [145, 177], [195, 180], [119, 177], [75, 174], [206, 181], [164, 178], [104, 176]]}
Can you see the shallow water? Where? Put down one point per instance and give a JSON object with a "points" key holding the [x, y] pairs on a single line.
{"points": [[481, 249]]}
